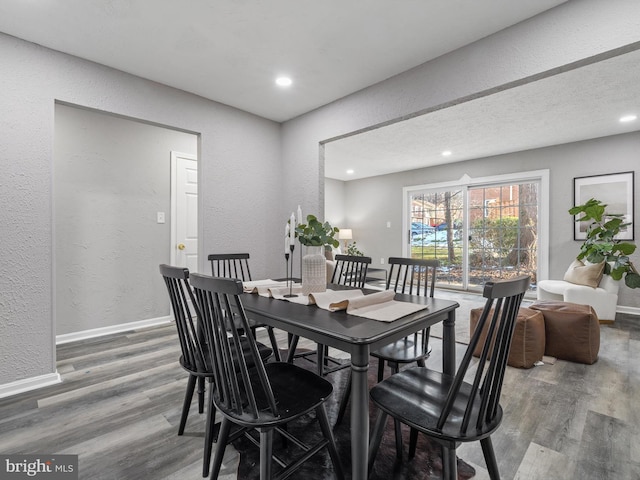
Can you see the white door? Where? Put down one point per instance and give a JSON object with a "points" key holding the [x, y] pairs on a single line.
{"points": [[184, 211]]}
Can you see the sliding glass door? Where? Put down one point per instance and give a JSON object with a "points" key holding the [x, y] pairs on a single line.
{"points": [[502, 232], [437, 219], [478, 232]]}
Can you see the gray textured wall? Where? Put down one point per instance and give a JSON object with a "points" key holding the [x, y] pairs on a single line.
{"points": [[240, 171], [334, 202], [111, 176]]}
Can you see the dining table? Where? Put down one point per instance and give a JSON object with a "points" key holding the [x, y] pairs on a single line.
{"points": [[357, 336]]}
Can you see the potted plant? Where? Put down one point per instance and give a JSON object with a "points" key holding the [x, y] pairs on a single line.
{"points": [[317, 234], [314, 268], [352, 249], [601, 244]]}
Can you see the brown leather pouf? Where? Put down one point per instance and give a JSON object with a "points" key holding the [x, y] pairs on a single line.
{"points": [[572, 331], [528, 343]]}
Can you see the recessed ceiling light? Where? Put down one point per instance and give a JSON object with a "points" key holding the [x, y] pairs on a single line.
{"points": [[446, 153], [350, 172], [628, 118], [283, 81]]}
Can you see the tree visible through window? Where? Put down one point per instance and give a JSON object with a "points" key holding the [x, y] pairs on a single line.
{"points": [[501, 222]]}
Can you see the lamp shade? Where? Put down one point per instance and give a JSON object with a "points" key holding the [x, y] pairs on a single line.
{"points": [[345, 234]]}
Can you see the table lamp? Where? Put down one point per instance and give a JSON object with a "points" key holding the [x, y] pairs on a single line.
{"points": [[345, 234]]}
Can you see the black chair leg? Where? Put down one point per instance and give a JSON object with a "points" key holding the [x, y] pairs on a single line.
{"points": [[321, 359], [490, 458], [413, 443], [380, 369], [274, 344], [221, 446], [376, 438], [449, 464], [293, 344], [209, 434], [398, 429], [321, 415], [266, 452], [191, 386], [201, 391]]}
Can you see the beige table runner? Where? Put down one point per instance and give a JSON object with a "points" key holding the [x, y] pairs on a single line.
{"points": [[379, 306], [382, 307]]}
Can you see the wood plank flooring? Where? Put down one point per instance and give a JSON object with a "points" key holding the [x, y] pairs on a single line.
{"points": [[119, 404]]}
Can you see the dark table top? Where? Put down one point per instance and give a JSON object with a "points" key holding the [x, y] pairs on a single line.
{"points": [[341, 330]]}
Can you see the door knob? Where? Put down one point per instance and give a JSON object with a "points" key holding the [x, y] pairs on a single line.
{"points": [[181, 246]]}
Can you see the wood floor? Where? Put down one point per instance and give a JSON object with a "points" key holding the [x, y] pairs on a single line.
{"points": [[119, 405]]}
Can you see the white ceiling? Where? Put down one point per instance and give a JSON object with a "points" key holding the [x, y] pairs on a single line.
{"points": [[231, 51], [580, 104]]}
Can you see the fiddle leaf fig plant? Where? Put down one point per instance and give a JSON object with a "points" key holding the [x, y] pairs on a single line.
{"points": [[601, 244], [317, 234]]}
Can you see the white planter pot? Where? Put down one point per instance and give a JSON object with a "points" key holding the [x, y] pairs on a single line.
{"points": [[314, 270]]}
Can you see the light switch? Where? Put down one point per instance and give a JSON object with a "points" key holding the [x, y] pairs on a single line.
{"points": [[160, 217], [388, 224]]}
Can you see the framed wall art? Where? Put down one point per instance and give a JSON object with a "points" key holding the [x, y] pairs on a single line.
{"points": [[615, 190]]}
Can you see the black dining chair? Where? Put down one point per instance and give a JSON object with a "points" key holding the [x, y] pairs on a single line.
{"points": [[236, 265], [351, 271], [264, 398], [195, 358], [411, 276], [445, 408]]}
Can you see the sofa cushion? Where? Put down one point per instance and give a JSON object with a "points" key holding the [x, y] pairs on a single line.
{"points": [[331, 266], [527, 344], [581, 274], [572, 331]]}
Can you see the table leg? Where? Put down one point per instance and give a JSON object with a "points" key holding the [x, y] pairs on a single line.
{"points": [[449, 344], [359, 413]]}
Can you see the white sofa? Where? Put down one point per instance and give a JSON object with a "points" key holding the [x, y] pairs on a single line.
{"points": [[603, 298]]}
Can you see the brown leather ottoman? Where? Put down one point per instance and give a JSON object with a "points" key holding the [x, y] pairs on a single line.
{"points": [[572, 331], [528, 343]]}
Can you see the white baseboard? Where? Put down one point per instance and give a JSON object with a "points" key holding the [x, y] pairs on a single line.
{"points": [[122, 327], [628, 310], [21, 386], [32, 383]]}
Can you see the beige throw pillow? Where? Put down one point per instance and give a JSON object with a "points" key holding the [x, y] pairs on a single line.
{"points": [[581, 274]]}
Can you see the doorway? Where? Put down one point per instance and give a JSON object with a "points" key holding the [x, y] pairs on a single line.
{"points": [[111, 186], [184, 211]]}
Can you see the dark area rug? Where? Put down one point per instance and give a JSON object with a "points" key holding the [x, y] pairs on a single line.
{"points": [[426, 465]]}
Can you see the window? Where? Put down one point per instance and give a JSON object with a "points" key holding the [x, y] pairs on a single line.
{"points": [[480, 229]]}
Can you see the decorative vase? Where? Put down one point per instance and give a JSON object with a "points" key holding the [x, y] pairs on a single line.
{"points": [[314, 270]]}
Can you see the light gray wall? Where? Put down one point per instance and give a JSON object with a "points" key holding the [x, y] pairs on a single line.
{"points": [[111, 177], [370, 203], [334, 203], [240, 177], [571, 32]]}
